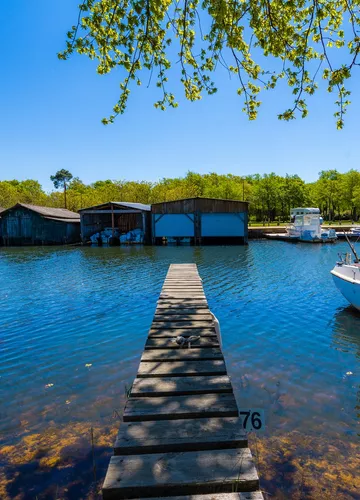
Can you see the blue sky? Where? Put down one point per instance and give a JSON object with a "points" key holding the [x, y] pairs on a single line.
{"points": [[51, 117]]}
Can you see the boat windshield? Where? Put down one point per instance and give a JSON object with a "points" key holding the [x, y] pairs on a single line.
{"points": [[307, 220]]}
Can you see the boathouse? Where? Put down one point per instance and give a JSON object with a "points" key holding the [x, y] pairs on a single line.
{"points": [[1, 210], [25, 224], [120, 216], [200, 221]]}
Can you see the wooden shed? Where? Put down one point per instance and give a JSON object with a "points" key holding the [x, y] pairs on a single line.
{"points": [[122, 216], [25, 224], [1, 210], [201, 220]]}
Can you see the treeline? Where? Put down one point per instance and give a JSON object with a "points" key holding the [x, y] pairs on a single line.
{"points": [[271, 196]]}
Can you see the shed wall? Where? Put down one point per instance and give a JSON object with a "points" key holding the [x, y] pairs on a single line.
{"points": [[222, 224], [191, 205], [205, 220], [21, 226], [174, 225]]}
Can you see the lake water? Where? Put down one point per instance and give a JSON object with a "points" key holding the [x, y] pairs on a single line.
{"points": [[73, 324]]}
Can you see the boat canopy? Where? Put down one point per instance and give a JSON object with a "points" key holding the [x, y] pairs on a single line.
{"points": [[304, 211]]}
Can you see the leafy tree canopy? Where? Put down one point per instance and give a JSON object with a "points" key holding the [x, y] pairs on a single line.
{"points": [[61, 178], [270, 195], [154, 35]]}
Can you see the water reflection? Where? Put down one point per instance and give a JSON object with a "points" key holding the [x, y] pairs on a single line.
{"points": [[346, 330], [73, 325]]}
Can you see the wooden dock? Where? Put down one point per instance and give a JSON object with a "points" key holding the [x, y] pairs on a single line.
{"points": [[181, 436]]}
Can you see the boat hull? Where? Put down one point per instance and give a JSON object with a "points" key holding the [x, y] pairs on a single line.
{"points": [[349, 289]]}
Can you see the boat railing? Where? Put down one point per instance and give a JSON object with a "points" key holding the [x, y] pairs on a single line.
{"points": [[345, 258]]}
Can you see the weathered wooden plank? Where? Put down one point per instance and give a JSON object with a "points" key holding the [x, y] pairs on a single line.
{"points": [[184, 265], [133, 476], [189, 294], [183, 290], [189, 284], [181, 354], [178, 280], [183, 276], [183, 317], [182, 303], [181, 368], [183, 279], [161, 311], [191, 272], [180, 386], [184, 332], [250, 495], [180, 435], [182, 295], [175, 407], [183, 269], [169, 343], [181, 324]]}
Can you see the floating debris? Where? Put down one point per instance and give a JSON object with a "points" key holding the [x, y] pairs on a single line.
{"points": [[88, 365], [49, 385]]}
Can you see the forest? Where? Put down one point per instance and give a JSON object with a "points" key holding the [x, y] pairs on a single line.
{"points": [[270, 196]]}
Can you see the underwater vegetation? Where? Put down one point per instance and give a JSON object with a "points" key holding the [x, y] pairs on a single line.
{"points": [[69, 346], [64, 463]]}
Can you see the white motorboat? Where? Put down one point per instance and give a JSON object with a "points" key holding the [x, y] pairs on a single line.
{"points": [[355, 231], [346, 275], [306, 226]]}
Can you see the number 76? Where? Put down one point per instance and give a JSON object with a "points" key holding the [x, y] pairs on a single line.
{"points": [[253, 420]]}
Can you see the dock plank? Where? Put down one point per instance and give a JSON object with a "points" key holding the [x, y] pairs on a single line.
{"points": [[180, 435], [180, 407], [180, 386], [183, 317], [181, 368], [181, 354], [250, 495], [183, 295], [131, 476], [183, 286], [182, 303], [181, 311], [181, 324], [169, 343], [184, 332]]}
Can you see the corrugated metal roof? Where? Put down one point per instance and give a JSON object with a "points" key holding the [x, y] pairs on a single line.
{"points": [[70, 221], [122, 204], [128, 204], [59, 213]]}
